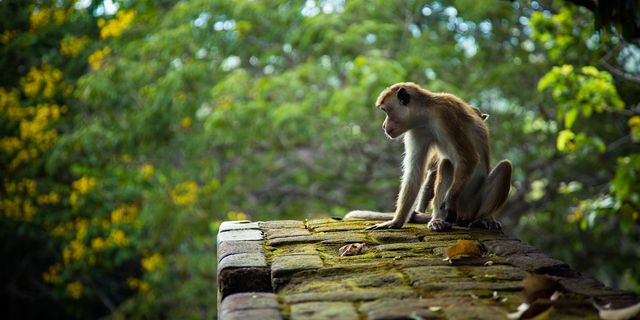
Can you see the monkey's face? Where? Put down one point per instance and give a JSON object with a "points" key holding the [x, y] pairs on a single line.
{"points": [[398, 113]]}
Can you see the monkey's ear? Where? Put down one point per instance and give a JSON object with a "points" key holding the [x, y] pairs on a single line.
{"points": [[403, 96], [484, 116]]}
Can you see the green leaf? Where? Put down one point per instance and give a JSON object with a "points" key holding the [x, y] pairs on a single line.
{"points": [[570, 117], [565, 140]]}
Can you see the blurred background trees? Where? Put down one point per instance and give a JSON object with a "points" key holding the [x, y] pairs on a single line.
{"points": [[131, 129]]}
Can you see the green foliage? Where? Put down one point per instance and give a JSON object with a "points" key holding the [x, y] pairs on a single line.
{"points": [[127, 138]]}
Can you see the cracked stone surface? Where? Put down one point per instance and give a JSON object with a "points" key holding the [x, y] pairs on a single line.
{"points": [[292, 270]]}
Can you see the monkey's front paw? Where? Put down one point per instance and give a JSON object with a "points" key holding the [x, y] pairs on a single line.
{"points": [[449, 208], [438, 224], [486, 223], [385, 225]]}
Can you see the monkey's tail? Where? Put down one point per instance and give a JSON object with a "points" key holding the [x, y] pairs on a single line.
{"points": [[416, 217]]}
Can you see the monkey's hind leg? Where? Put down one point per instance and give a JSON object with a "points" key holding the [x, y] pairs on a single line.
{"points": [[439, 221], [494, 193]]}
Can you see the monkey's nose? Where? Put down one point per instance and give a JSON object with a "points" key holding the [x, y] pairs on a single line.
{"points": [[383, 108]]}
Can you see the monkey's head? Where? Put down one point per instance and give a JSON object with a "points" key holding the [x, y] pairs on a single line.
{"points": [[399, 103]]}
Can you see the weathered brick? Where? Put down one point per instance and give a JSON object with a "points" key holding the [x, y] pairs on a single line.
{"points": [[284, 265], [262, 314], [591, 288], [285, 232], [312, 224], [475, 311], [314, 238], [240, 235], [248, 301], [494, 273], [454, 287], [298, 249], [431, 273], [485, 235], [394, 236], [235, 247], [440, 278], [238, 225], [244, 272], [241, 260], [538, 263], [386, 308], [281, 224], [335, 226], [509, 247], [342, 238], [324, 310], [364, 294], [323, 238]]}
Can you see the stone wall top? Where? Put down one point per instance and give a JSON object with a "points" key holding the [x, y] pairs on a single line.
{"points": [[293, 270]]}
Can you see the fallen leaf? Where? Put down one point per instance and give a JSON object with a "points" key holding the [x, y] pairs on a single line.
{"points": [[618, 314], [539, 287], [352, 249], [464, 249], [488, 263], [435, 309]]}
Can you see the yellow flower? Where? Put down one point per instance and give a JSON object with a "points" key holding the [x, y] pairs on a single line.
{"points": [[186, 122], [75, 289], [117, 238], [73, 199], [7, 36], [114, 27], [141, 285], [133, 282], [84, 184], [150, 263], [144, 286], [10, 104], [147, 171], [72, 46], [98, 244], [39, 17], [10, 187], [124, 213], [576, 216], [10, 207], [185, 193], [62, 229], [48, 199], [74, 251], [97, 57], [236, 215], [117, 215], [82, 226], [10, 145], [53, 274], [43, 80], [29, 186], [28, 210]]}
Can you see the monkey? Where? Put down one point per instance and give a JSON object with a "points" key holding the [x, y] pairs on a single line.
{"points": [[446, 162]]}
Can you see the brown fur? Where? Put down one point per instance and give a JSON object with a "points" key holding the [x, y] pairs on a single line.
{"points": [[447, 159]]}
